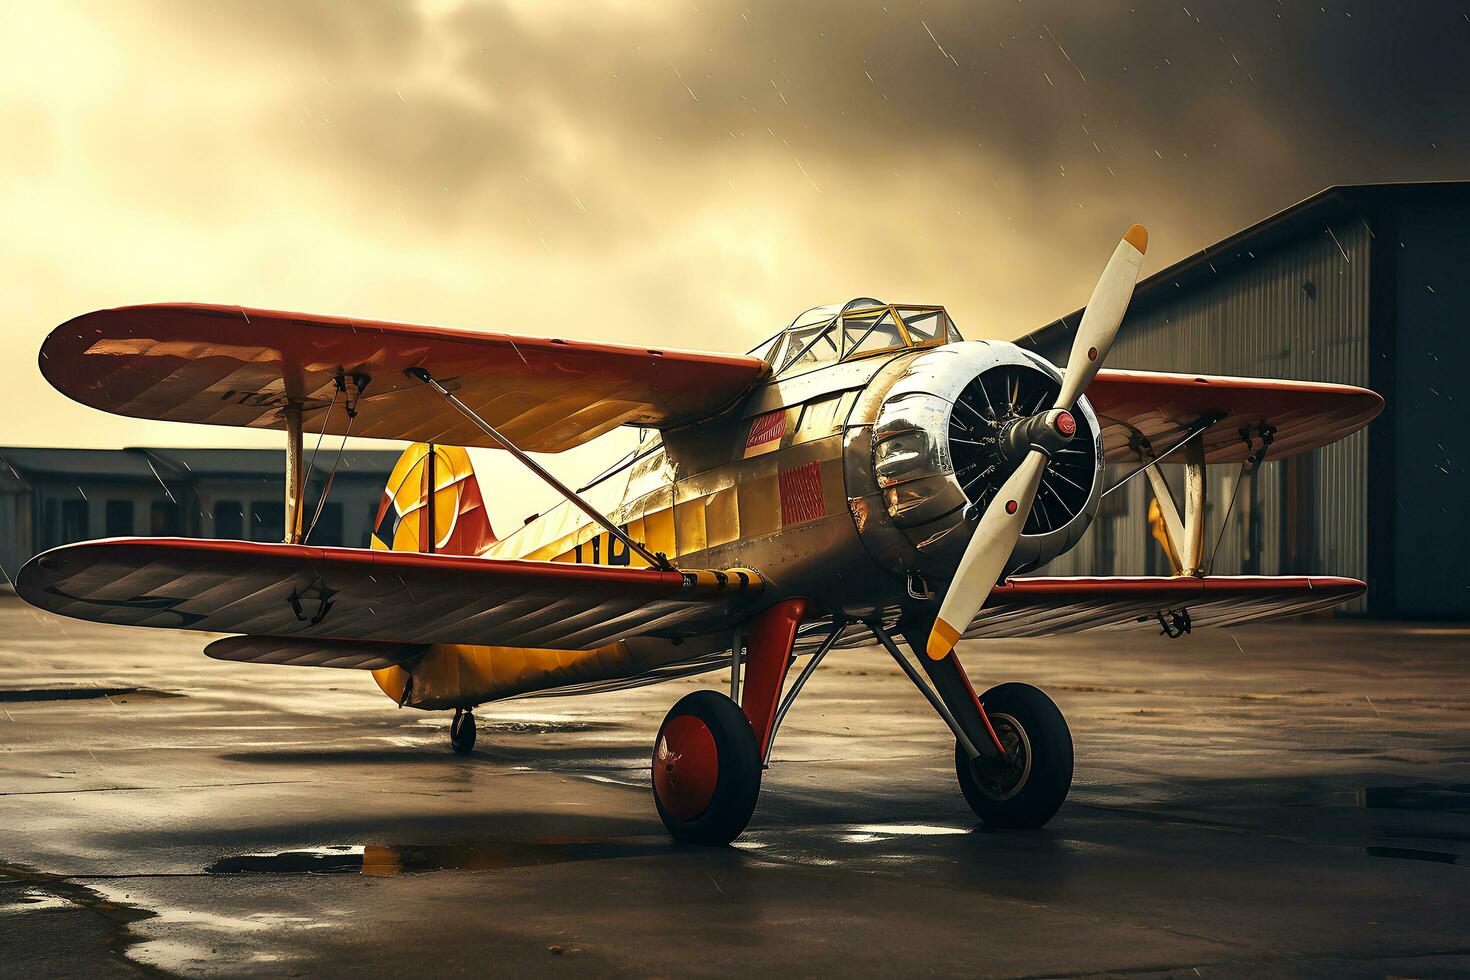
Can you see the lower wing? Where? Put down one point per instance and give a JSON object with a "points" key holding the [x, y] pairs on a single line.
{"points": [[400, 600], [1042, 606]]}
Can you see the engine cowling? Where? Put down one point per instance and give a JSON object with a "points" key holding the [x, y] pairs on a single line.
{"points": [[927, 442]]}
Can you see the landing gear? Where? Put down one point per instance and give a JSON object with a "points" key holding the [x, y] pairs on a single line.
{"points": [[462, 731], [706, 769], [1026, 789]]}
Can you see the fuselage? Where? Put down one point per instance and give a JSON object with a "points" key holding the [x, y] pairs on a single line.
{"points": [[834, 478]]}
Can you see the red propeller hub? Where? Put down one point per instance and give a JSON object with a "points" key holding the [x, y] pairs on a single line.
{"points": [[1066, 425]]}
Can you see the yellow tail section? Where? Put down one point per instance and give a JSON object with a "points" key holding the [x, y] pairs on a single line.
{"points": [[456, 524], [452, 675]]}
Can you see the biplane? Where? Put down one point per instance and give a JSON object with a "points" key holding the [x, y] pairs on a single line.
{"points": [[865, 473]]}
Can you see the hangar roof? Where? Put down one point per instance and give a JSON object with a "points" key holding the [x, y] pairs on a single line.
{"points": [[1313, 212], [133, 463]]}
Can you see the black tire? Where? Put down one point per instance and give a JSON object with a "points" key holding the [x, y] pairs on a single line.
{"points": [[737, 776], [462, 732], [1027, 793]]}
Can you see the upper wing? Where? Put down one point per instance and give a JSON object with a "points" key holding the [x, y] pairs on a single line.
{"points": [[1162, 407], [1042, 606], [234, 366], [404, 598]]}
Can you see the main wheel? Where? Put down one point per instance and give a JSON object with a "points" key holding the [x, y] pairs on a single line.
{"points": [[706, 769], [1027, 790], [462, 731]]}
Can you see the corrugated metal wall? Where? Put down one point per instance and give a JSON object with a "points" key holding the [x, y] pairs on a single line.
{"points": [[1298, 312]]}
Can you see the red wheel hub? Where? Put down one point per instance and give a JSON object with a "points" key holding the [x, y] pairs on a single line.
{"points": [[686, 766]]}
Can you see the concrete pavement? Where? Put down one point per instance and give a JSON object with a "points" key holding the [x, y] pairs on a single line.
{"points": [[1277, 800]]}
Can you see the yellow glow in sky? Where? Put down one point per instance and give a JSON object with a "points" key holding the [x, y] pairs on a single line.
{"points": [[674, 174]]}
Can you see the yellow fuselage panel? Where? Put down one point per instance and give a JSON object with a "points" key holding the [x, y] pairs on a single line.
{"points": [[724, 512], [450, 675], [739, 502]]}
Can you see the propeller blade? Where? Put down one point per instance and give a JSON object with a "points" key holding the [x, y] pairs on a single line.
{"points": [[1103, 316], [986, 555], [1000, 526]]}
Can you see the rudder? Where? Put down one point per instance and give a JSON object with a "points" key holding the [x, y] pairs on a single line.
{"points": [[457, 524]]}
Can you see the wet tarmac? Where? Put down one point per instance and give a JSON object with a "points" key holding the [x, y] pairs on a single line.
{"points": [[1276, 800]]}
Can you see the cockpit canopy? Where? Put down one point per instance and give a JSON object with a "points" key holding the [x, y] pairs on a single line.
{"points": [[857, 328]]}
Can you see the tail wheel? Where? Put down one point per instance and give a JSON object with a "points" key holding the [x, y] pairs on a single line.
{"points": [[1027, 789], [706, 769], [462, 731]]}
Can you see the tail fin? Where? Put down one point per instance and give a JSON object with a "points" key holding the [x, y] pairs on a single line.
{"points": [[457, 524]]}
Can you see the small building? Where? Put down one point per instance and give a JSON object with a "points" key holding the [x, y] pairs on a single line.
{"points": [[1366, 285], [51, 497]]}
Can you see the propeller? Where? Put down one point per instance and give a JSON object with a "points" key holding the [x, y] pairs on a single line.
{"points": [[1000, 526]]}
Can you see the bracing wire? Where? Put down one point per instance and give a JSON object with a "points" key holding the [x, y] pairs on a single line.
{"points": [[311, 464], [327, 487], [1225, 521]]}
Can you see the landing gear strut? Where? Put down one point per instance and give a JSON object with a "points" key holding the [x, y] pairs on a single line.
{"points": [[708, 758], [462, 731], [1013, 749]]}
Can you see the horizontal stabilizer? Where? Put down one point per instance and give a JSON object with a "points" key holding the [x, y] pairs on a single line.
{"points": [[295, 591], [227, 365], [1161, 408], [295, 652]]}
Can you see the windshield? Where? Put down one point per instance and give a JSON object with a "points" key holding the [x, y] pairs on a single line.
{"points": [[857, 328]]}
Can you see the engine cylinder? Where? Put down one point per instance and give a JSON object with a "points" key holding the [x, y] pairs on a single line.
{"points": [[926, 441]]}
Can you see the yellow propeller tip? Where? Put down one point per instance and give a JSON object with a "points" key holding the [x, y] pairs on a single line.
{"points": [[941, 640], [1137, 236]]}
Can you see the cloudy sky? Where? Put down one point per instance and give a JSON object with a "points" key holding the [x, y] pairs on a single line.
{"points": [[684, 174]]}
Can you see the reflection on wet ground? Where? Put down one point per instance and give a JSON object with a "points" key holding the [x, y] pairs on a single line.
{"points": [[498, 855], [1413, 854], [382, 860], [1447, 797], [25, 892], [14, 695]]}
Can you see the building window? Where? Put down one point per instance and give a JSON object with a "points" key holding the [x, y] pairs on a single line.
{"points": [[73, 521], [229, 520], [328, 530], [163, 518], [119, 518], [372, 521], [267, 520]]}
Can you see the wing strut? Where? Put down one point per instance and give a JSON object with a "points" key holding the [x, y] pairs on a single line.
{"points": [[295, 489], [656, 559]]}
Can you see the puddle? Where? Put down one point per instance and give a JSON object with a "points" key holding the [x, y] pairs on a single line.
{"points": [[83, 694], [190, 941], [383, 860], [46, 891], [33, 900], [1412, 854], [515, 726], [914, 829], [872, 833], [1444, 797], [876, 845], [527, 724], [541, 727], [319, 860]]}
